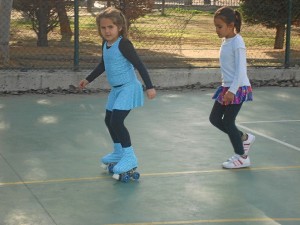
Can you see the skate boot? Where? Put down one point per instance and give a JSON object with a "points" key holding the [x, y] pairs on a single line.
{"points": [[110, 160], [125, 168]]}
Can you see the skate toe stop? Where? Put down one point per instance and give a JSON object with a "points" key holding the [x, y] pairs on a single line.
{"points": [[104, 166], [116, 176]]}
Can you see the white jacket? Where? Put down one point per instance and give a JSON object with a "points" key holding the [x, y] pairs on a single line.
{"points": [[233, 63]]}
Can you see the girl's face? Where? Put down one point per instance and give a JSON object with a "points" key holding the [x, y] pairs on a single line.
{"points": [[223, 29], [109, 31]]}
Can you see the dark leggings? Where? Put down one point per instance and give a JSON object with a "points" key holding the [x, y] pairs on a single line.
{"points": [[114, 121], [223, 117]]}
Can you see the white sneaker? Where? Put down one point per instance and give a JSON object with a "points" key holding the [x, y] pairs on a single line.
{"points": [[236, 161], [248, 143]]}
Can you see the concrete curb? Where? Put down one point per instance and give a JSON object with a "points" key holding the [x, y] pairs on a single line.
{"points": [[16, 80]]}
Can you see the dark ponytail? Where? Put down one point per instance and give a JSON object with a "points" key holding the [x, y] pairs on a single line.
{"points": [[238, 21], [228, 15]]}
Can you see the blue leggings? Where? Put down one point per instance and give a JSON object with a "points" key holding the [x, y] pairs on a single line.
{"points": [[114, 121], [223, 117]]}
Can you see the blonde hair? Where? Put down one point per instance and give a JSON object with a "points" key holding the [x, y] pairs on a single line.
{"points": [[116, 16]]}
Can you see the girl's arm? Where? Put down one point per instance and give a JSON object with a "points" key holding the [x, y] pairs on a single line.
{"points": [[98, 70], [93, 75], [240, 69], [128, 51]]}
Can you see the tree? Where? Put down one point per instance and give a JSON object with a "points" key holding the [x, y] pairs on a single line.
{"points": [[188, 2], [90, 5], [133, 9], [271, 14], [5, 12], [65, 28], [45, 15]]}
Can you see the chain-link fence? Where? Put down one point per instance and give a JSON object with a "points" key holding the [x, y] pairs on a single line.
{"points": [[176, 33]]}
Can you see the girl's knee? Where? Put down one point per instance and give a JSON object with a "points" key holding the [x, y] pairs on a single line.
{"points": [[107, 118], [107, 121], [115, 124], [214, 121], [229, 125]]}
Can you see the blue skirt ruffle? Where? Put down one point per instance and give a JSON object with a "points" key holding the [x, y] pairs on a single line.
{"points": [[126, 97]]}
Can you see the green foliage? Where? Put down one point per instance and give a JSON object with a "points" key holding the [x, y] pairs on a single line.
{"points": [[134, 9], [38, 10], [45, 16], [183, 11], [270, 13]]}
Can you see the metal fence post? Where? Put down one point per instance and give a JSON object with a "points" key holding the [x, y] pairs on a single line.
{"points": [[163, 4], [76, 35], [288, 36]]}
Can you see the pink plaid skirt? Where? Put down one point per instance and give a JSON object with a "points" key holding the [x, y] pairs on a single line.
{"points": [[243, 94]]}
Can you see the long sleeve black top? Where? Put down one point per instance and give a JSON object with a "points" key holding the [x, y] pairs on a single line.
{"points": [[128, 51]]}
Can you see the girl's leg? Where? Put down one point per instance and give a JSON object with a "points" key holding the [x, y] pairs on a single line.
{"points": [[129, 160], [118, 128], [117, 153], [107, 120], [216, 116], [223, 117], [233, 132]]}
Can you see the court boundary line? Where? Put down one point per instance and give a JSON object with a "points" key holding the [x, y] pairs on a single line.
{"points": [[108, 176], [269, 121], [212, 221], [270, 138], [29, 190]]}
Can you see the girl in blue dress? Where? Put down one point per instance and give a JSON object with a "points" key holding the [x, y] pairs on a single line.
{"points": [[119, 61]]}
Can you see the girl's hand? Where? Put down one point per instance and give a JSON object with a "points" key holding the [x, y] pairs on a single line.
{"points": [[228, 97], [151, 93], [83, 83]]}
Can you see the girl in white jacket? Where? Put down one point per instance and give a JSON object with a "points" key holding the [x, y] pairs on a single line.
{"points": [[235, 88]]}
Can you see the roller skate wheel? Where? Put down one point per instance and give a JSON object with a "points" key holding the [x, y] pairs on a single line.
{"points": [[135, 175], [125, 178]]}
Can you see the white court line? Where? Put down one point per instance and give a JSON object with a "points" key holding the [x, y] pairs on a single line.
{"points": [[270, 121], [270, 138]]}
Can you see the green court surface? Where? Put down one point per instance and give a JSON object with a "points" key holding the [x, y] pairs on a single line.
{"points": [[50, 173]]}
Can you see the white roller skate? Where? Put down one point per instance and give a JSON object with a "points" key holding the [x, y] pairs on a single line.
{"points": [[126, 167], [110, 160]]}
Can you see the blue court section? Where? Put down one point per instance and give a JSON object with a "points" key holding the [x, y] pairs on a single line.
{"points": [[50, 175]]}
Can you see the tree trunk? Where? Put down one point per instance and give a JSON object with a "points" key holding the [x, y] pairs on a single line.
{"points": [[279, 39], [90, 5], [5, 12], [65, 28], [163, 4], [43, 19], [188, 2]]}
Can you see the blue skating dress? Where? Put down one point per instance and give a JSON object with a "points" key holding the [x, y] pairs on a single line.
{"points": [[127, 91]]}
